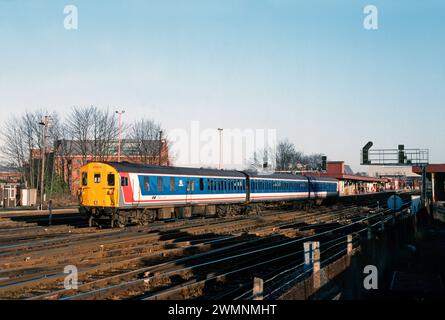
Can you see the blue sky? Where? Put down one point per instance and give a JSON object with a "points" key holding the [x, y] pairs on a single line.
{"points": [[305, 68]]}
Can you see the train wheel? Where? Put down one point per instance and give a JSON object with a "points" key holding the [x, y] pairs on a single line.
{"points": [[118, 221], [147, 216], [221, 211], [90, 221]]}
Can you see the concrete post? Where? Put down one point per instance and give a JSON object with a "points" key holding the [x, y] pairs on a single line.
{"points": [[349, 246], [308, 256], [258, 286], [312, 260], [316, 270]]}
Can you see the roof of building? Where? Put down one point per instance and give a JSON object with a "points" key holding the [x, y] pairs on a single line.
{"points": [[353, 177], [74, 147], [436, 168]]}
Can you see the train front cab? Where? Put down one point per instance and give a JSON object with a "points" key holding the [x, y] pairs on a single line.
{"points": [[99, 185]]}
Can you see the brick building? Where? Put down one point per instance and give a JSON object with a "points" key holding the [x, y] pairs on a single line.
{"points": [[9, 187], [350, 183], [67, 156]]}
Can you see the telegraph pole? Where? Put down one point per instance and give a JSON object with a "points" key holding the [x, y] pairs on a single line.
{"points": [[120, 113], [44, 123], [220, 147]]}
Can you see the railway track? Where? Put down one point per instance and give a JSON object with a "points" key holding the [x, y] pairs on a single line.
{"points": [[180, 259], [103, 255]]}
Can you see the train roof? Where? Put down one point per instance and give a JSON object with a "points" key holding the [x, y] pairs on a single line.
{"points": [[278, 176], [289, 176], [149, 168]]}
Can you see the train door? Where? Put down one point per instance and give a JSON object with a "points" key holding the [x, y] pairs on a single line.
{"points": [[136, 190], [190, 187]]}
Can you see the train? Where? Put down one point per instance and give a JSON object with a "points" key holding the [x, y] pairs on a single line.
{"points": [[123, 193]]}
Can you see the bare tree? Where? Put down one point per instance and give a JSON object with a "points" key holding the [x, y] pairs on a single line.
{"points": [[105, 132], [313, 161], [286, 158], [145, 137], [262, 161], [94, 131], [22, 136], [78, 125], [286, 155], [14, 148]]}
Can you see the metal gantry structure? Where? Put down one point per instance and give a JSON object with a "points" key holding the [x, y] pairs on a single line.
{"points": [[397, 157]]}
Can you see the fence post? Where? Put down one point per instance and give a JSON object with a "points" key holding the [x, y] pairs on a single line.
{"points": [[349, 244], [308, 256], [316, 270], [312, 260], [258, 286]]}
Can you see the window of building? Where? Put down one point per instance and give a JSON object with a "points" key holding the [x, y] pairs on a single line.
{"points": [[110, 180], [124, 181], [97, 178]]}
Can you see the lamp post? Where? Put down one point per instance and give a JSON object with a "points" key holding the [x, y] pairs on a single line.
{"points": [[120, 113], [220, 147], [44, 123]]}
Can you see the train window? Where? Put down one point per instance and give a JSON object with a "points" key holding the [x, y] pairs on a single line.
{"points": [[220, 185], [146, 181], [97, 178], [201, 184], [191, 185], [160, 184], [110, 180], [172, 184], [84, 178], [124, 182]]}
